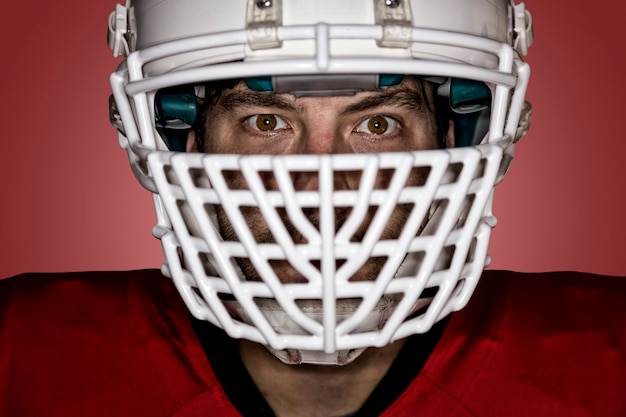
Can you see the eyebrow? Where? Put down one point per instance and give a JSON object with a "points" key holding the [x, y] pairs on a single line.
{"points": [[405, 97], [409, 98], [248, 98]]}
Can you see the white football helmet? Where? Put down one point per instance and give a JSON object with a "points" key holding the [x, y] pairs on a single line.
{"points": [[470, 48]]}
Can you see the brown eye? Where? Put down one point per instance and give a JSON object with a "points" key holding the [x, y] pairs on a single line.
{"points": [[266, 122], [377, 125]]}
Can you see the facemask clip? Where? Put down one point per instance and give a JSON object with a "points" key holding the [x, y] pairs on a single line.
{"points": [[395, 18], [262, 21], [122, 30], [522, 31]]}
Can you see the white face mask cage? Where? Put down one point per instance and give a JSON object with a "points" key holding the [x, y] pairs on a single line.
{"points": [[430, 269], [441, 249]]}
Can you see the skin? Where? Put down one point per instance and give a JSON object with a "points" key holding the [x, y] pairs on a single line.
{"points": [[247, 122], [242, 121], [316, 390]]}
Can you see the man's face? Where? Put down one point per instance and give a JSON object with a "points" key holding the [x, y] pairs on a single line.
{"points": [[241, 121], [400, 118]]}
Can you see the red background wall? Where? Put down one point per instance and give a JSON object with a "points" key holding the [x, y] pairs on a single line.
{"points": [[68, 200]]}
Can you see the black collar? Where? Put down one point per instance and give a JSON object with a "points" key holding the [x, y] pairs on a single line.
{"points": [[223, 355]]}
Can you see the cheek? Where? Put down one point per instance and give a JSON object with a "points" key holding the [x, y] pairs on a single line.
{"points": [[417, 136], [233, 140], [220, 135], [422, 136], [216, 141], [221, 143]]}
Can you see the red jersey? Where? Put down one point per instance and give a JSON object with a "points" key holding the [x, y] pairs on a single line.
{"points": [[122, 344]]}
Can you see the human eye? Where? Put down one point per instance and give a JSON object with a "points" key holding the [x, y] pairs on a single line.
{"points": [[377, 125], [266, 122]]}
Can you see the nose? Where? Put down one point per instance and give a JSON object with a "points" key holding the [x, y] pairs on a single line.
{"points": [[321, 139], [323, 133]]}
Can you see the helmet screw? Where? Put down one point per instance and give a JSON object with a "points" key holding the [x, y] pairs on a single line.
{"points": [[392, 3], [264, 4]]}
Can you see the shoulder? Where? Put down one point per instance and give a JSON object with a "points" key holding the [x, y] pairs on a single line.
{"points": [[39, 284], [554, 279], [70, 296], [544, 292], [526, 307], [99, 343], [553, 313], [538, 344]]}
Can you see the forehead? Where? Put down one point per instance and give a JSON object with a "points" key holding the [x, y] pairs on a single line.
{"points": [[410, 90]]}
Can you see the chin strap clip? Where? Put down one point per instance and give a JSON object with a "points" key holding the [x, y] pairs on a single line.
{"points": [[522, 32], [122, 30]]}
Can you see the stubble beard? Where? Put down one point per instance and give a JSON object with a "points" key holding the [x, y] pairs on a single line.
{"points": [[287, 273]]}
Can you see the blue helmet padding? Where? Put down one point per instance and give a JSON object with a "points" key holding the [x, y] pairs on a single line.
{"points": [[466, 95], [470, 128], [470, 109], [175, 106], [176, 110], [259, 83], [175, 139]]}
